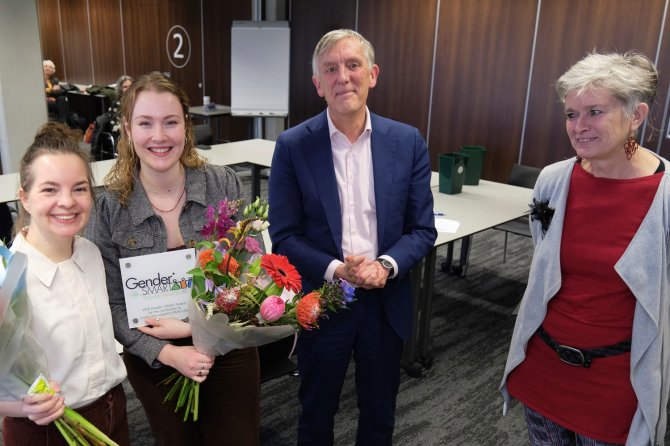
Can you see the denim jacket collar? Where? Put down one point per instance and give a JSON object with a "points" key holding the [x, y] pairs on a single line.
{"points": [[140, 207]]}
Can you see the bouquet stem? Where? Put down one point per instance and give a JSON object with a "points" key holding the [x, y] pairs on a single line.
{"points": [[189, 394], [75, 429]]}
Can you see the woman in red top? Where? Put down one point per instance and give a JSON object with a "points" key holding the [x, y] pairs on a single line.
{"points": [[570, 362]]}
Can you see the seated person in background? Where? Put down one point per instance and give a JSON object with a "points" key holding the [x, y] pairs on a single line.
{"points": [[107, 131], [122, 84], [56, 101]]}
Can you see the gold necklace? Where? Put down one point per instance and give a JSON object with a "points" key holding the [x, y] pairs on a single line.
{"points": [[175, 205]]}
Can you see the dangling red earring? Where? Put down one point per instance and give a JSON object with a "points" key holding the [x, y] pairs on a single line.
{"points": [[630, 147]]}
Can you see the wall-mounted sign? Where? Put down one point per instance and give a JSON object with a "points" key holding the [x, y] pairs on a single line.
{"points": [[178, 46]]}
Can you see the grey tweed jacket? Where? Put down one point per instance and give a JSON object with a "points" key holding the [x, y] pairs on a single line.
{"points": [[133, 230], [644, 267]]}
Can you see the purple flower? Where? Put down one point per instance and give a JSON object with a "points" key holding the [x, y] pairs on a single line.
{"points": [[219, 220], [209, 285], [348, 291], [208, 228]]}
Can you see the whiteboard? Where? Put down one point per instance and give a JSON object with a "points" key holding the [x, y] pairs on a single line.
{"points": [[260, 56]]}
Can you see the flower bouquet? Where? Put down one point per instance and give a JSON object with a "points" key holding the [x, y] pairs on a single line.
{"points": [[243, 298], [22, 360]]}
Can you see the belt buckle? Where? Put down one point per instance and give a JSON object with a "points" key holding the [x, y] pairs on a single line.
{"points": [[573, 356]]}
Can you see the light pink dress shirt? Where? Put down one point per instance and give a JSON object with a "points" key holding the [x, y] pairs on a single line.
{"points": [[356, 189]]}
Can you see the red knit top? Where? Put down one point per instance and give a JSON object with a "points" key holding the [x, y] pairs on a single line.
{"points": [[594, 308]]}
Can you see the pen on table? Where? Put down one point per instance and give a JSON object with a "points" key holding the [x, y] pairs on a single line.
{"points": [[439, 214]]}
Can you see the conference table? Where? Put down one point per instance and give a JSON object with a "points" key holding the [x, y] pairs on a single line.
{"points": [[476, 209], [206, 113], [257, 152]]}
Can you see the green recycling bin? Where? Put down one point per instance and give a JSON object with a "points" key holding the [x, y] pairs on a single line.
{"points": [[473, 170], [452, 168]]}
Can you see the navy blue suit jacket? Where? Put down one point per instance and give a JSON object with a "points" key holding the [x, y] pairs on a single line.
{"points": [[305, 215]]}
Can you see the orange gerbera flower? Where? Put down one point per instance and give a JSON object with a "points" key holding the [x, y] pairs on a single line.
{"points": [[308, 310], [282, 272], [205, 257], [233, 266]]}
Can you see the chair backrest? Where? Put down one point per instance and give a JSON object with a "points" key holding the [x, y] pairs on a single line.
{"points": [[523, 176], [203, 134]]}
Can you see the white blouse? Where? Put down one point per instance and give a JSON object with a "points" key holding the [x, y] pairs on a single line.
{"points": [[72, 321]]}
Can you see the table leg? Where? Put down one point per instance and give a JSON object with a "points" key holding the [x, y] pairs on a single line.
{"points": [[465, 254], [426, 308], [409, 361], [446, 264]]}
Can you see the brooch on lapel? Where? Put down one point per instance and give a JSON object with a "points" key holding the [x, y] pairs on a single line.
{"points": [[540, 211], [132, 242]]}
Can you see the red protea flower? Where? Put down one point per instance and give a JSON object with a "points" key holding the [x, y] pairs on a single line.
{"points": [[227, 299], [231, 268], [205, 256], [308, 310], [282, 272]]}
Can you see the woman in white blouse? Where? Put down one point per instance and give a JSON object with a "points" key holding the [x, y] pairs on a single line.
{"points": [[65, 282]]}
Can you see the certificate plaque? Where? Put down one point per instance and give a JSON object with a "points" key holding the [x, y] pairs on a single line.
{"points": [[156, 285]]}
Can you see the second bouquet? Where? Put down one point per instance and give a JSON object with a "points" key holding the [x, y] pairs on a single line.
{"points": [[244, 298]]}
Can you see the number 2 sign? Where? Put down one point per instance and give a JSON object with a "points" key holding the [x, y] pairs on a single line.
{"points": [[178, 46]]}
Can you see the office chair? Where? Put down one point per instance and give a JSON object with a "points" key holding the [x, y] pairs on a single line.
{"points": [[203, 135], [522, 176]]}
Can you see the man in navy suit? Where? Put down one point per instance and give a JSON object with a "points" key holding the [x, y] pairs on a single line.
{"points": [[350, 198]]}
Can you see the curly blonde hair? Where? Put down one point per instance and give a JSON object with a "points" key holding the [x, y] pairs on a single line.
{"points": [[121, 178]]}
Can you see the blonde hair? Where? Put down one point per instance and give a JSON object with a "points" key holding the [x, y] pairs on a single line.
{"points": [[121, 178], [52, 138]]}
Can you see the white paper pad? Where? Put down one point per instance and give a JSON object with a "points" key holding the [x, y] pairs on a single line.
{"points": [[446, 225]]}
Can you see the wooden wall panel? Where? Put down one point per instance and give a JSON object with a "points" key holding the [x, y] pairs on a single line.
{"points": [[567, 31], [76, 41], [142, 30], [185, 13], [481, 75], [105, 18], [311, 19], [146, 24], [484, 49], [218, 17], [50, 37], [402, 34]]}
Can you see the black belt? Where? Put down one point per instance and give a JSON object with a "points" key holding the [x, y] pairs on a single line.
{"points": [[577, 356]]}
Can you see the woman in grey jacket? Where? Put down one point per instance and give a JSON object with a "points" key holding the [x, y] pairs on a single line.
{"points": [[590, 353], [156, 198]]}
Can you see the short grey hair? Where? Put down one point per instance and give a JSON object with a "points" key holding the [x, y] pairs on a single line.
{"points": [[329, 40], [631, 77], [48, 63]]}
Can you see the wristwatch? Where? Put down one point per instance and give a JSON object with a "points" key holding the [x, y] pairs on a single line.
{"points": [[388, 266]]}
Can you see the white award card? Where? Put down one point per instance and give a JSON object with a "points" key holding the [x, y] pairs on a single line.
{"points": [[156, 285]]}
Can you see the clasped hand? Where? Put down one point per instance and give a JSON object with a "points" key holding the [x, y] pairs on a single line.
{"points": [[364, 272], [186, 359]]}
